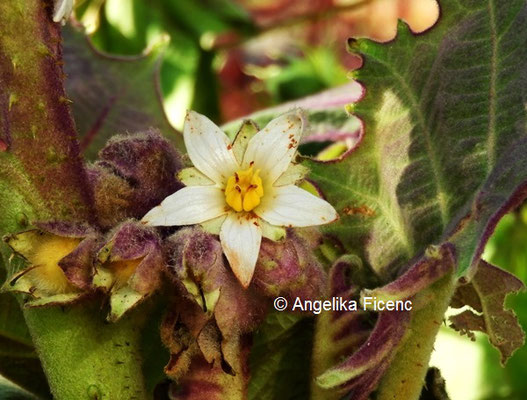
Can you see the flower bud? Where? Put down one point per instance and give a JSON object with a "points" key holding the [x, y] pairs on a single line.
{"points": [[61, 257], [133, 174], [129, 266], [289, 268], [195, 259], [228, 311]]}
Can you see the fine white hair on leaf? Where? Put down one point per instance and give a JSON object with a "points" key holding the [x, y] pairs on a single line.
{"points": [[62, 10]]}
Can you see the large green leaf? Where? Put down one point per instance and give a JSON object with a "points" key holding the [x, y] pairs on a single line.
{"points": [[113, 94], [440, 158], [440, 109], [9, 391], [12, 325], [18, 359], [499, 194]]}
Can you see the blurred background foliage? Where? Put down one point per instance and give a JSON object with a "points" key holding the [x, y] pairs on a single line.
{"points": [[229, 58], [508, 249]]}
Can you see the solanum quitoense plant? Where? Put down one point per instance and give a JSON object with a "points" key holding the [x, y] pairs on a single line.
{"points": [[419, 193]]}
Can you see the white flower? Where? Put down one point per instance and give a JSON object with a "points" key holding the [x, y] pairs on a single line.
{"points": [[242, 190], [62, 10]]}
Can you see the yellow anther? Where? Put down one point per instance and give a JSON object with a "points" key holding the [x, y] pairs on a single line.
{"points": [[244, 190]]}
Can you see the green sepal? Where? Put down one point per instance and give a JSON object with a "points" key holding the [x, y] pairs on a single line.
{"points": [[246, 132], [103, 278], [193, 177], [55, 300], [292, 175], [122, 300]]}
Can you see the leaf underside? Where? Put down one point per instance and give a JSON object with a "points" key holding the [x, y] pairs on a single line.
{"points": [[440, 110]]}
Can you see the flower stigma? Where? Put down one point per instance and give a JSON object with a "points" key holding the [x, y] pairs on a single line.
{"points": [[244, 190]]}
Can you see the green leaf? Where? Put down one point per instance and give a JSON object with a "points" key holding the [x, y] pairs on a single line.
{"points": [[9, 391], [12, 324], [114, 94], [500, 193], [280, 358], [26, 373], [486, 294], [440, 110]]}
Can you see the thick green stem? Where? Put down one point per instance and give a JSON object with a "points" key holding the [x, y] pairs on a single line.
{"points": [[39, 153], [324, 357], [42, 177], [85, 357], [405, 378]]}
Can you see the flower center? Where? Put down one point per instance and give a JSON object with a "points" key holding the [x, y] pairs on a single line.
{"points": [[244, 190]]}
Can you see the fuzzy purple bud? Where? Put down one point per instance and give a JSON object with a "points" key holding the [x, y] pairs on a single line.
{"points": [[195, 258], [289, 268], [129, 266], [134, 173], [61, 256], [215, 311]]}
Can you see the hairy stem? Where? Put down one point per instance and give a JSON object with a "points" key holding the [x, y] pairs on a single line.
{"points": [[39, 152], [405, 378], [86, 358]]}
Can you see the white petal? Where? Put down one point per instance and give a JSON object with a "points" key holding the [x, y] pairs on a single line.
{"points": [[62, 10], [292, 206], [190, 205], [273, 148], [240, 239], [209, 149]]}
